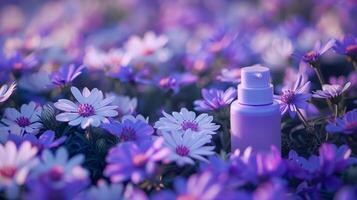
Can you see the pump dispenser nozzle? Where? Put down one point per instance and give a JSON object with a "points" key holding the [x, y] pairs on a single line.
{"points": [[255, 87]]}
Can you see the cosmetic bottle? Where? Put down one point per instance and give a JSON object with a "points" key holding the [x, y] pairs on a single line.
{"points": [[255, 117]]}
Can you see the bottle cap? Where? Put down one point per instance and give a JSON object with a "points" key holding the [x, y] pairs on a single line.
{"points": [[255, 87]]}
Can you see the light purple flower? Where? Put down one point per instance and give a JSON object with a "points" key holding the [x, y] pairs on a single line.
{"points": [[66, 74], [312, 57], [295, 98], [15, 165], [198, 186], [57, 176], [130, 130], [332, 92], [214, 99], [6, 92], [129, 161]]}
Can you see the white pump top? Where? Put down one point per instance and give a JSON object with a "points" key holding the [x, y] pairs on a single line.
{"points": [[255, 87]]}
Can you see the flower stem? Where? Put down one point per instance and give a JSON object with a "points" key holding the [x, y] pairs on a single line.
{"points": [[319, 75], [302, 118], [322, 82], [336, 111]]}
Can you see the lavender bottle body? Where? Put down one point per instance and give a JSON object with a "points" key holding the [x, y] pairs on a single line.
{"points": [[257, 126]]}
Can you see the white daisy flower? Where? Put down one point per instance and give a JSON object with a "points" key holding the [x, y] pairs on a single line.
{"points": [[6, 92], [25, 121], [15, 164], [187, 147], [186, 120], [125, 105], [149, 47], [91, 110]]}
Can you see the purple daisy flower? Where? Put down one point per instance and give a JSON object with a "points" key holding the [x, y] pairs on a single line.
{"points": [[214, 99], [331, 92], [66, 74], [129, 161], [130, 130], [295, 98], [312, 57], [198, 186], [45, 141], [347, 46], [332, 159], [346, 124]]}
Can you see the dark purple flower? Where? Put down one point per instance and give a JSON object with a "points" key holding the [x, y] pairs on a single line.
{"points": [[66, 74], [45, 141], [130, 130], [347, 46], [175, 81], [346, 193], [214, 99], [198, 186], [128, 74], [129, 161], [332, 159], [295, 98], [252, 166], [346, 124], [312, 57], [19, 62]]}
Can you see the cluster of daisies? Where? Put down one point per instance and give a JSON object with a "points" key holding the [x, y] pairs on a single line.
{"points": [[181, 138]]}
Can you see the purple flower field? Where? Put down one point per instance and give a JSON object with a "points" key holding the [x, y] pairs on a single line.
{"points": [[130, 99]]}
